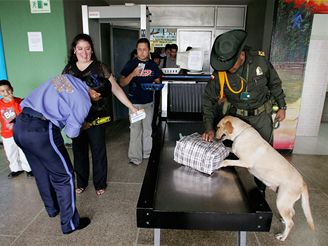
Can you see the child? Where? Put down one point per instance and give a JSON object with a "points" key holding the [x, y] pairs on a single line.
{"points": [[9, 109]]}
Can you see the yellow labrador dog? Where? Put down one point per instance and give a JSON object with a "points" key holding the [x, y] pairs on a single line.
{"points": [[265, 163]]}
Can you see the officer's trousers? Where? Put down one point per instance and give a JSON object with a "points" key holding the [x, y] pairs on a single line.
{"points": [[263, 124], [43, 145]]}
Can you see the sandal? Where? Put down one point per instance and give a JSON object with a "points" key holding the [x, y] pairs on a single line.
{"points": [[100, 192], [80, 190]]}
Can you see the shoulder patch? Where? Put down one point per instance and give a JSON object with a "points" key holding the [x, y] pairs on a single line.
{"points": [[261, 53]]}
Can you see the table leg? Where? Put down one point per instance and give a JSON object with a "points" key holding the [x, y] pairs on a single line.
{"points": [[242, 238], [157, 237]]}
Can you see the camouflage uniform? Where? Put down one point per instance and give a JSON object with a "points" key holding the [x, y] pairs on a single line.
{"points": [[263, 84]]}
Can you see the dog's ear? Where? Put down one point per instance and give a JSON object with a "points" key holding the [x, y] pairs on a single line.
{"points": [[228, 126]]}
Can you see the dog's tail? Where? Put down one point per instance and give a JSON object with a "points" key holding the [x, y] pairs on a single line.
{"points": [[306, 206]]}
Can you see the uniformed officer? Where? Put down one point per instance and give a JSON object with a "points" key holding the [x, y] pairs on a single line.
{"points": [[244, 84], [61, 102]]}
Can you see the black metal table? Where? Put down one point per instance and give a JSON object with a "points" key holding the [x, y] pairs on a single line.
{"points": [[177, 197]]}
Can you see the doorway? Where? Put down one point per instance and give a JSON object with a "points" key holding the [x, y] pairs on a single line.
{"points": [[312, 130], [124, 42]]}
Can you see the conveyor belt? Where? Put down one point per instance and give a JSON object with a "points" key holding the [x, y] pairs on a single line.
{"points": [[187, 77], [178, 197]]}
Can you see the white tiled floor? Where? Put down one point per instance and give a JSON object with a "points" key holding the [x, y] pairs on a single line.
{"points": [[313, 145]]}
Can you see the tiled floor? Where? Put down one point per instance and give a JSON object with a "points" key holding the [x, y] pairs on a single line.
{"points": [[313, 145], [23, 220]]}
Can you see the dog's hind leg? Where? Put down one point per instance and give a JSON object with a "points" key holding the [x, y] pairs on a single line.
{"points": [[285, 206]]}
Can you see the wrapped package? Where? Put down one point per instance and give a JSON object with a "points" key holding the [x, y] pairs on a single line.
{"points": [[201, 155]]}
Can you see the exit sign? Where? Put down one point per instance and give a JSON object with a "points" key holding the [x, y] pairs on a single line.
{"points": [[40, 6]]}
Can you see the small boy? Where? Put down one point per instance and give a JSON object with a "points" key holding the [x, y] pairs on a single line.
{"points": [[9, 109]]}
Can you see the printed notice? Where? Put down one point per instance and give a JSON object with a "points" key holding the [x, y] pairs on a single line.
{"points": [[35, 41]]}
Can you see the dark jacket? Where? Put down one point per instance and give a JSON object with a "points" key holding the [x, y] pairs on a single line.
{"points": [[261, 82]]}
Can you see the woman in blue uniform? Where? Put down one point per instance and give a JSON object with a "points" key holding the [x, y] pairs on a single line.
{"points": [[62, 102]]}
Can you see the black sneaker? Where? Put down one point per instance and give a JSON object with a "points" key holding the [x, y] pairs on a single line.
{"points": [[14, 174], [29, 174], [84, 222]]}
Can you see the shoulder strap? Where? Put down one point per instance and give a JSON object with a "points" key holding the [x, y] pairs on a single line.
{"points": [[223, 79]]}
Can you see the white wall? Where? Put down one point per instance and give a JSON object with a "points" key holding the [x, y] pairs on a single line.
{"points": [[324, 117], [315, 79]]}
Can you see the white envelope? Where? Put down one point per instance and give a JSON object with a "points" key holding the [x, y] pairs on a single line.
{"points": [[139, 115]]}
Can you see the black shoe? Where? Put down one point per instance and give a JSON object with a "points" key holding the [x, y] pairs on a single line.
{"points": [[84, 222], [53, 215], [14, 174], [29, 174]]}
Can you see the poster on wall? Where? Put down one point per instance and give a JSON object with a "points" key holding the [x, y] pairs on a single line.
{"points": [[289, 48], [316, 6], [35, 43], [159, 37]]}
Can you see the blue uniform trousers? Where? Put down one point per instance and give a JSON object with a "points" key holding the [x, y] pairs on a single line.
{"points": [[43, 145]]}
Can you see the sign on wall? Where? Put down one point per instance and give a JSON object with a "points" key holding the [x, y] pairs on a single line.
{"points": [[159, 37], [40, 6], [35, 43]]}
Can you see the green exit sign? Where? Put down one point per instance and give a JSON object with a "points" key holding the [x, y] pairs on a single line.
{"points": [[40, 6]]}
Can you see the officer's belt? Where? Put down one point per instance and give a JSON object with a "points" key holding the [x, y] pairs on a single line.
{"points": [[251, 112], [31, 112]]}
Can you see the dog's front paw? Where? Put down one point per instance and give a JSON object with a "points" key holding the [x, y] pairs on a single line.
{"points": [[280, 236], [223, 163]]}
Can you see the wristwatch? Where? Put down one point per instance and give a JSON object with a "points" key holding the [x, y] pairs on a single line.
{"points": [[284, 107]]}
